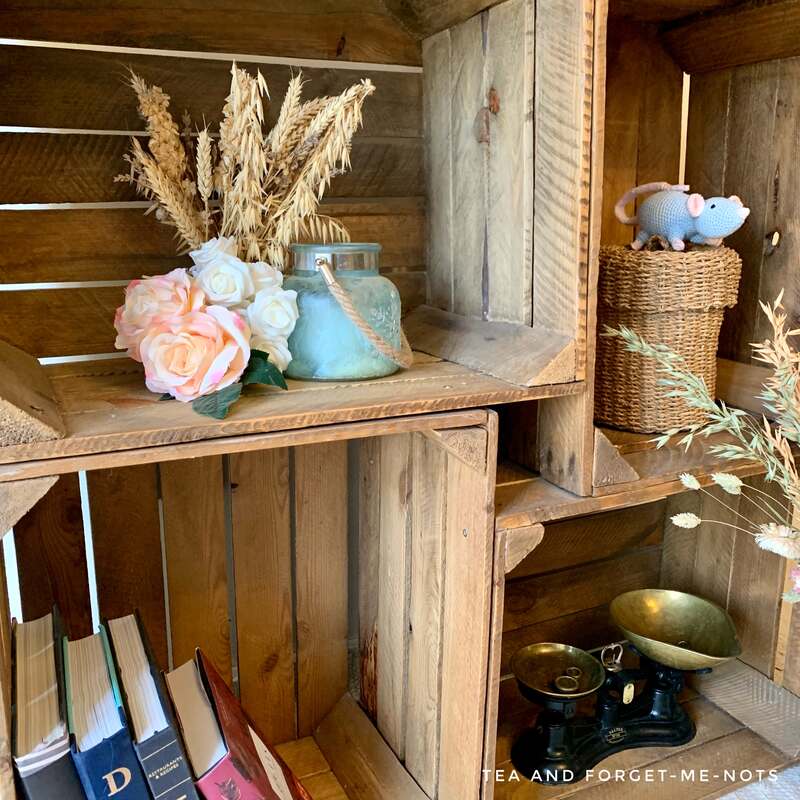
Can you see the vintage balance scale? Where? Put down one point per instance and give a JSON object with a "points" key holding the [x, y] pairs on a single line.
{"points": [[671, 632]]}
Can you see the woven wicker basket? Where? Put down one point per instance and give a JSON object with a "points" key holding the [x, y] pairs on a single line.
{"points": [[667, 297]]}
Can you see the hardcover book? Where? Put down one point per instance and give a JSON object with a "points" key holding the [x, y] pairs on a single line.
{"points": [[101, 745], [153, 728], [40, 741], [229, 758]]}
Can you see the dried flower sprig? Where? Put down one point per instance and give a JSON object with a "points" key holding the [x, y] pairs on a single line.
{"points": [[260, 188], [764, 441]]}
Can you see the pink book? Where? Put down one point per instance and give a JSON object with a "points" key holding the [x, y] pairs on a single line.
{"points": [[229, 758]]}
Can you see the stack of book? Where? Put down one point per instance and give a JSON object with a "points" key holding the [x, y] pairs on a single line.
{"points": [[95, 718]]}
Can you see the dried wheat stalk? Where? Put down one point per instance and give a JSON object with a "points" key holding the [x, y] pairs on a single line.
{"points": [[267, 185]]}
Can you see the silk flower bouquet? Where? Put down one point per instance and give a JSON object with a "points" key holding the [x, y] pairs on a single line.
{"points": [[236, 202]]}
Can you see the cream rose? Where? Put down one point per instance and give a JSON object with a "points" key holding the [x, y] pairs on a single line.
{"points": [[273, 313], [276, 348], [196, 354], [213, 249], [265, 276], [151, 300], [226, 281]]}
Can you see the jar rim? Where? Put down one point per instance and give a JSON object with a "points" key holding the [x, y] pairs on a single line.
{"points": [[339, 247]]}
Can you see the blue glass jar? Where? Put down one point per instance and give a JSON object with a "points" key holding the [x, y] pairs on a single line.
{"points": [[325, 344]]}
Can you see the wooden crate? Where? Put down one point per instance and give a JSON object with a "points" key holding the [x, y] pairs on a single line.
{"points": [[316, 575]]}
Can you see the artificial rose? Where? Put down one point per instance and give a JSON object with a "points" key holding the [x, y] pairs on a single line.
{"points": [[276, 348], [151, 300], [273, 313], [265, 276], [213, 249], [196, 354], [226, 281], [795, 575]]}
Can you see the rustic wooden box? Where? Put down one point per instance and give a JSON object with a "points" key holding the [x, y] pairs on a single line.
{"points": [[317, 572]]}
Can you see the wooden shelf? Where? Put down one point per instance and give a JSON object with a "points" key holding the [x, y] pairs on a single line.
{"points": [[525, 498], [112, 420]]}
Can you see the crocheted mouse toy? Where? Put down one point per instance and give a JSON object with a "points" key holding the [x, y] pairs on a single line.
{"points": [[677, 216]]}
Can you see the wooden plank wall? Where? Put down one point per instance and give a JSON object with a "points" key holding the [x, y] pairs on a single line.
{"points": [[643, 118], [255, 569], [743, 140], [69, 114], [561, 592]]}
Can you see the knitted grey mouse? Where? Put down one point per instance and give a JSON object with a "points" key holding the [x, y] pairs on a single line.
{"points": [[677, 216]]}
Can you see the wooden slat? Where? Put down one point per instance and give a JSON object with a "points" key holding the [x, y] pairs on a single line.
{"points": [[544, 597], [79, 321], [587, 629], [436, 56], [739, 385], [428, 510], [393, 589], [194, 539], [510, 351], [561, 191], [123, 243], [126, 537], [469, 554], [643, 107], [351, 30], [262, 562], [42, 86], [468, 217], [321, 524], [509, 71], [747, 33], [680, 544], [752, 698], [83, 319], [51, 558], [369, 537], [572, 542], [757, 578], [18, 497], [74, 168], [6, 769], [108, 410], [364, 764]]}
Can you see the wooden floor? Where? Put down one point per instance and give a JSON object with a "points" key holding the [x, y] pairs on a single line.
{"points": [[723, 742], [307, 761]]}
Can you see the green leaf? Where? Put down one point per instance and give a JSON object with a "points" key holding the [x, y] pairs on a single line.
{"points": [[260, 370], [218, 404]]}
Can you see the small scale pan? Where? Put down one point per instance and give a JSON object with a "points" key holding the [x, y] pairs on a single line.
{"points": [[556, 672]]}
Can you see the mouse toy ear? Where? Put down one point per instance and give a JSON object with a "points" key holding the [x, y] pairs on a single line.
{"points": [[736, 199], [695, 204]]}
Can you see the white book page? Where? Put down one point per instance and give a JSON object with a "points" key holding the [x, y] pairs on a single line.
{"points": [[38, 720], [95, 715], [144, 705], [277, 780], [204, 744]]}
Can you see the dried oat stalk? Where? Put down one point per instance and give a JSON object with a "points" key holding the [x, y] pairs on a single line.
{"points": [[260, 187]]}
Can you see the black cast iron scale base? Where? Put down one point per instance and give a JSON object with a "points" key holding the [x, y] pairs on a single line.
{"points": [[563, 746]]}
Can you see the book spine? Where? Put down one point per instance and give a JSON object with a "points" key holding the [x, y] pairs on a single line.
{"points": [[224, 782], [165, 766], [58, 779], [111, 769]]}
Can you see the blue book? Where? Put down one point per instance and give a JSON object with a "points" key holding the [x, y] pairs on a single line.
{"points": [[100, 742], [151, 721]]}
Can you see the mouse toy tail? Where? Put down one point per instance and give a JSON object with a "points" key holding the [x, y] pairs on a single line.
{"points": [[645, 188]]}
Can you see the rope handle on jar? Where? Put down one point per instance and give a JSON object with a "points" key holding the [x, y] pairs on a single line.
{"points": [[402, 357]]}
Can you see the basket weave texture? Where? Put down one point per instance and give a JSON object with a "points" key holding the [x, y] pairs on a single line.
{"points": [[671, 298]]}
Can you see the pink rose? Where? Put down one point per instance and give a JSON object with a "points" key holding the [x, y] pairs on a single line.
{"points": [[151, 300], [795, 574], [196, 354]]}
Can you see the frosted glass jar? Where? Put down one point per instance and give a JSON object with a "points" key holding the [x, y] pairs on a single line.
{"points": [[325, 344]]}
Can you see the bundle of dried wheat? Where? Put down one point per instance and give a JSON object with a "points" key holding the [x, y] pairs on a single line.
{"points": [[260, 188]]}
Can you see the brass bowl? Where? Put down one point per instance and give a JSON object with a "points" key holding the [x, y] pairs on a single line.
{"points": [[676, 629], [537, 667]]}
